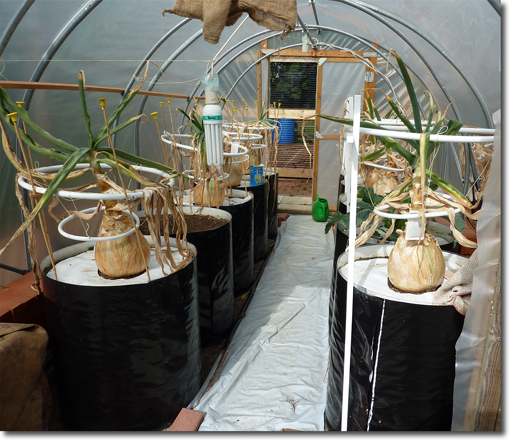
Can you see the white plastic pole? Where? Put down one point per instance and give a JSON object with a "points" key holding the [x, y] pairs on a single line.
{"points": [[346, 170], [353, 152]]}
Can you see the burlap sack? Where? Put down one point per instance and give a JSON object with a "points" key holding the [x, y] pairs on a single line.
{"points": [[24, 391], [276, 15], [457, 290]]}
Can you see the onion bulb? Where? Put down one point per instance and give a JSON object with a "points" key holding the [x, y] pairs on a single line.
{"points": [[123, 257], [385, 183], [211, 194], [382, 181], [369, 175], [235, 175], [416, 266]]}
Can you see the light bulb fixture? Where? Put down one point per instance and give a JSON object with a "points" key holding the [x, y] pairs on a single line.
{"points": [[213, 121]]}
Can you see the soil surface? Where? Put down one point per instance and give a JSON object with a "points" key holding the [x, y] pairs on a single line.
{"points": [[195, 223]]}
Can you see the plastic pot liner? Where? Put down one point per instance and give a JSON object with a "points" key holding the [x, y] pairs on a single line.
{"points": [[274, 370], [240, 207], [402, 351], [126, 352], [215, 275], [272, 205], [260, 217]]}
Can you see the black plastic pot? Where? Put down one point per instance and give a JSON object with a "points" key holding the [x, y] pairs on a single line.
{"points": [[260, 217], [402, 352], [340, 242], [240, 207], [272, 205], [126, 353], [215, 274]]}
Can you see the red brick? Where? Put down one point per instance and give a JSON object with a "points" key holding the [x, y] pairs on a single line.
{"points": [[187, 420], [20, 303]]}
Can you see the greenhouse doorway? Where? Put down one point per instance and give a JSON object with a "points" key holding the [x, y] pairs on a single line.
{"points": [[292, 95], [300, 86]]}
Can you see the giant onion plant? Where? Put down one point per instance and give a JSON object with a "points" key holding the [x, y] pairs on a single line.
{"points": [[118, 258], [416, 266]]}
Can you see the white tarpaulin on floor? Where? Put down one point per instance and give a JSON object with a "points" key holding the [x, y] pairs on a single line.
{"points": [[274, 372]]}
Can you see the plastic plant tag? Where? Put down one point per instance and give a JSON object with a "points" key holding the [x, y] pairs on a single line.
{"points": [[234, 148], [414, 230]]}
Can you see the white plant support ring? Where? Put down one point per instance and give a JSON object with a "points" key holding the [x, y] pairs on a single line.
{"points": [[244, 137], [190, 174], [242, 150], [94, 197], [61, 225], [264, 128], [245, 157], [379, 211], [90, 195], [166, 138], [379, 166]]}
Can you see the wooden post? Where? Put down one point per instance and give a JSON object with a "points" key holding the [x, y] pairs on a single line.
{"points": [[317, 129]]}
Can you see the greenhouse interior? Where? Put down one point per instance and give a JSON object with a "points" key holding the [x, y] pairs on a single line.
{"points": [[288, 178]]}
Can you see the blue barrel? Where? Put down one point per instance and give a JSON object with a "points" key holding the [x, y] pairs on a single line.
{"points": [[287, 130]]}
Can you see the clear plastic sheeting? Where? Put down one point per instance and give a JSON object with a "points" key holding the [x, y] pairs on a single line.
{"points": [[471, 345], [274, 371]]}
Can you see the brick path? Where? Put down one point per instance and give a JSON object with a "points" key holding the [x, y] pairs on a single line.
{"points": [[294, 156], [294, 186]]}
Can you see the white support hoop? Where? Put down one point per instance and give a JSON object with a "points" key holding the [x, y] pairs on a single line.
{"points": [[90, 195], [165, 138], [189, 171], [61, 225], [433, 137], [379, 166]]}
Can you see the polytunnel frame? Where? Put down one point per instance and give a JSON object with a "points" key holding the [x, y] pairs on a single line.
{"points": [[63, 34], [367, 9], [13, 24], [465, 181], [371, 10], [276, 34], [89, 6], [156, 78], [364, 7]]}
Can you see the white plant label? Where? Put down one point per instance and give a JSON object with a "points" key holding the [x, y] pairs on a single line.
{"points": [[414, 230]]}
